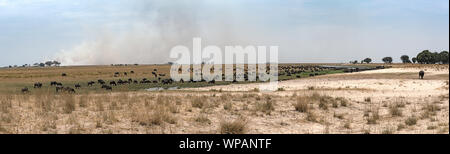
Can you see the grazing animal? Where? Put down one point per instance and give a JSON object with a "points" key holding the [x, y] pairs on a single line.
{"points": [[125, 73], [69, 90], [421, 74], [58, 89], [63, 74], [25, 90], [91, 83], [59, 84], [53, 83], [100, 81], [132, 72], [77, 86], [107, 87], [113, 83], [38, 85]]}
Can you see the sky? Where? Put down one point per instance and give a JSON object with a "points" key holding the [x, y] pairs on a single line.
{"points": [[85, 32]]}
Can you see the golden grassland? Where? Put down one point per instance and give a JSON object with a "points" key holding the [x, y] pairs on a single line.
{"points": [[314, 109]]}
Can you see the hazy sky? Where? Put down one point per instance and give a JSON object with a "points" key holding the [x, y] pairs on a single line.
{"points": [[143, 31]]}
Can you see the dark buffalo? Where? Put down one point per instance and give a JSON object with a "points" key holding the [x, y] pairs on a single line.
{"points": [[53, 83], [113, 83], [100, 81], [91, 83], [25, 90], [107, 87], [38, 85], [77, 86], [63, 74], [69, 90], [421, 74], [58, 89]]}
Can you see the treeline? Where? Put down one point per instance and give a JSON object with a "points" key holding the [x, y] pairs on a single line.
{"points": [[424, 57], [42, 64]]}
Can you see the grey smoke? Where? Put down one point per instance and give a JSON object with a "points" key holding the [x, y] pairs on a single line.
{"points": [[159, 25]]}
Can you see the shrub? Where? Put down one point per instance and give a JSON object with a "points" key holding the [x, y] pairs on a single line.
{"points": [[411, 121], [238, 126]]}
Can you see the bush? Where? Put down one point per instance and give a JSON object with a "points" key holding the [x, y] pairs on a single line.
{"points": [[411, 121], [238, 126]]}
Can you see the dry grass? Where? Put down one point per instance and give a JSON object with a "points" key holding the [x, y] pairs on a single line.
{"points": [[237, 126]]}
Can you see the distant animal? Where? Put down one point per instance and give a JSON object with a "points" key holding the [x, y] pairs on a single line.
{"points": [[53, 83], [421, 74], [107, 87], [37, 85], [125, 73], [63, 74], [77, 86], [58, 89], [132, 72], [69, 90], [58, 84], [91, 83], [113, 83], [100, 81], [25, 90]]}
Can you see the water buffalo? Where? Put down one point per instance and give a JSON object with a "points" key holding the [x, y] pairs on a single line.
{"points": [[37, 85], [100, 81], [69, 90], [421, 74], [91, 83], [53, 83], [25, 90], [113, 83], [107, 87], [58, 89], [63, 74], [77, 86]]}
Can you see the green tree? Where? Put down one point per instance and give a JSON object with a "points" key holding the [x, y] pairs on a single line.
{"points": [[387, 60], [49, 63], [367, 60], [443, 57], [425, 57], [405, 59], [414, 60]]}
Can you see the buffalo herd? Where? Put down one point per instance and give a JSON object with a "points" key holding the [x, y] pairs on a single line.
{"points": [[288, 70]]}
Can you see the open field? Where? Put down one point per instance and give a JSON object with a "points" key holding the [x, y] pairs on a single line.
{"points": [[385, 101]]}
